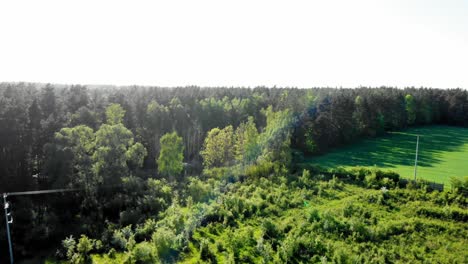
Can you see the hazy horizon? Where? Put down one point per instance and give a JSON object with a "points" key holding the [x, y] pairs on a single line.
{"points": [[243, 44]]}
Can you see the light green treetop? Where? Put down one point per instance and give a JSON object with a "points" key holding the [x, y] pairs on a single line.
{"points": [[246, 147], [171, 156], [218, 149], [410, 106], [114, 114]]}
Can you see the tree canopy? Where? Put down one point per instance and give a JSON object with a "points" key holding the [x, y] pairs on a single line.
{"points": [[171, 156]]}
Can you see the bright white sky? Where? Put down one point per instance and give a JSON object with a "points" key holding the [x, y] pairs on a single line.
{"points": [[236, 43]]}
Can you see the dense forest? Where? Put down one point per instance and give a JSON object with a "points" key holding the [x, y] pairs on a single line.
{"points": [[144, 162]]}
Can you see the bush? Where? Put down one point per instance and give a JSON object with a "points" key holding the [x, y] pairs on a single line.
{"points": [[306, 180], [145, 231], [85, 245], [78, 253], [446, 213], [262, 169], [460, 186], [69, 244], [269, 229], [122, 237], [200, 191], [130, 216], [144, 253], [217, 173], [313, 215], [205, 252], [164, 240], [359, 230], [299, 247]]}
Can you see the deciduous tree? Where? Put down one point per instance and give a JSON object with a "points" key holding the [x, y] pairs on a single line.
{"points": [[171, 156]]}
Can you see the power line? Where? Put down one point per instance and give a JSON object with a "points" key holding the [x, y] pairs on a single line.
{"points": [[9, 217], [42, 192]]}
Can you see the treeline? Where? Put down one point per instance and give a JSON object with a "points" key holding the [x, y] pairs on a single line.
{"points": [[31, 114], [131, 150]]}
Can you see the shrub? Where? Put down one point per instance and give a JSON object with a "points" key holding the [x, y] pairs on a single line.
{"points": [[313, 215], [269, 229], [360, 172], [446, 213], [460, 186], [78, 253], [262, 169], [85, 245], [200, 191], [205, 252], [299, 247], [164, 239], [145, 231], [144, 253], [122, 237], [69, 244], [130, 216], [359, 230], [217, 173]]}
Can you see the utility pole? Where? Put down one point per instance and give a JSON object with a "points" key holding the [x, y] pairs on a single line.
{"points": [[9, 217], [8, 222], [416, 158]]}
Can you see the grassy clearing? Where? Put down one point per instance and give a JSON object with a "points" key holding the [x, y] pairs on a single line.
{"points": [[443, 153]]}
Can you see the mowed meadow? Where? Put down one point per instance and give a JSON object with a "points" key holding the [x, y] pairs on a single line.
{"points": [[443, 153]]}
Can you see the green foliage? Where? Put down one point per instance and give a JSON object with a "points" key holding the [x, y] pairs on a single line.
{"points": [[85, 245], [246, 146], [158, 197], [276, 138], [261, 169], [115, 150], [164, 240], [410, 107], [69, 244], [79, 253], [460, 186], [284, 219], [218, 149], [217, 173], [444, 213], [135, 155], [199, 190], [144, 231], [114, 114], [123, 239], [58, 135], [391, 224], [144, 253], [80, 141], [310, 144], [170, 161]]}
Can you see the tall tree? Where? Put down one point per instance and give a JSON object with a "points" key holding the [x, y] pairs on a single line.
{"points": [[171, 156], [115, 114], [275, 140], [410, 107], [114, 148], [79, 142], [218, 148], [246, 142]]}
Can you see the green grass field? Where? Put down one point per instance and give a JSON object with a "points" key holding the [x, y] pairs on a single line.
{"points": [[443, 153]]}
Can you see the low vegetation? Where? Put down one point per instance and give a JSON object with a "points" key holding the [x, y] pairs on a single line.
{"points": [[306, 217]]}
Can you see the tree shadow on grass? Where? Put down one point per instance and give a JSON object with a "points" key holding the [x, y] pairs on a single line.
{"points": [[398, 149]]}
